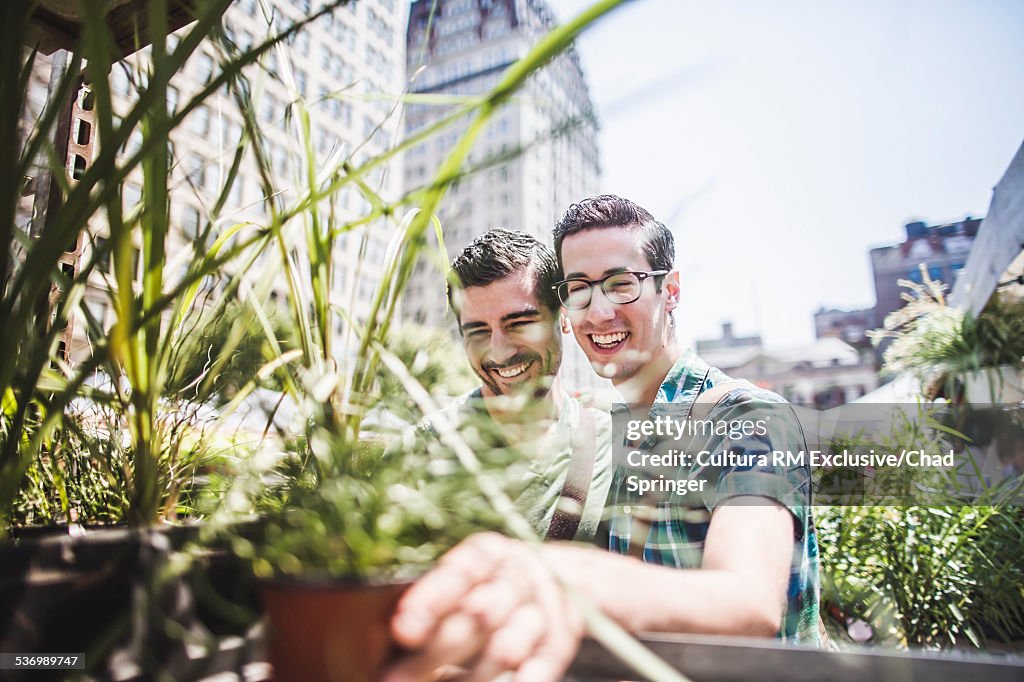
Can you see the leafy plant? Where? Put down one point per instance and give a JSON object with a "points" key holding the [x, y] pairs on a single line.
{"points": [[151, 312], [921, 566], [937, 342]]}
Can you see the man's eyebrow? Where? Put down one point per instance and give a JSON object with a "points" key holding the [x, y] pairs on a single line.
{"points": [[529, 312], [609, 271], [469, 326], [518, 315]]}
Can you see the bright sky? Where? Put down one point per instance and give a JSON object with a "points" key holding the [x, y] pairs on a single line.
{"points": [[781, 140]]}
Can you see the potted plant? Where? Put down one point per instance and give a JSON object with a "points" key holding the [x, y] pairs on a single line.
{"points": [[78, 449], [339, 509], [942, 345], [349, 513]]}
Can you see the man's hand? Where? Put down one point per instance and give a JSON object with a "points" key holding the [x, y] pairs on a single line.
{"points": [[490, 606]]}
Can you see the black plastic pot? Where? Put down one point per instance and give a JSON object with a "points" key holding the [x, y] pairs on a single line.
{"points": [[106, 593]]}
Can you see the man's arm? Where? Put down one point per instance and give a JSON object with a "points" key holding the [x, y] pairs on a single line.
{"points": [[492, 604]]}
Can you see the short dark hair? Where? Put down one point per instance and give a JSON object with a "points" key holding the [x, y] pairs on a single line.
{"points": [[608, 210], [499, 253]]}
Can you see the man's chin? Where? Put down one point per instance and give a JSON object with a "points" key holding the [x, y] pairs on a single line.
{"points": [[528, 390]]}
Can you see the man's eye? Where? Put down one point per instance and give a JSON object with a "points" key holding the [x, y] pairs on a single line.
{"points": [[620, 284], [577, 287]]}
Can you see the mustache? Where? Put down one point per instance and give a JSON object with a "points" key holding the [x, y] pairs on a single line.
{"points": [[517, 359]]}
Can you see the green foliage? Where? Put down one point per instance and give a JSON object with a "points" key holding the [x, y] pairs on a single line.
{"points": [[435, 360], [343, 510], [927, 576], [138, 351], [926, 570], [226, 348], [933, 340]]}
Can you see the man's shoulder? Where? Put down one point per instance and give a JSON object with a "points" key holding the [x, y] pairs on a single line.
{"points": [[455, 411], [584, 407]]}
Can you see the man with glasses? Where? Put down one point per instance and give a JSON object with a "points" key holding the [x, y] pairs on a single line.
{"points": [[746, 564]]}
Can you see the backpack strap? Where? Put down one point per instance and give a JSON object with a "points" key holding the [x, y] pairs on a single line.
{"points": [[573, 498]]}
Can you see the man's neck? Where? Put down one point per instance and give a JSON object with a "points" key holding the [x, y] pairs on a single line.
{"points": [[642, 388], [517, 411]]}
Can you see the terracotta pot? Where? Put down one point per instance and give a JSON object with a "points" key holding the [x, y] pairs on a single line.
{"points": [[330, 631]]}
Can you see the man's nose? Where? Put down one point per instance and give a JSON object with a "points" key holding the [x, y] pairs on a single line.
{"points": [[503, 347], [600, 308]]}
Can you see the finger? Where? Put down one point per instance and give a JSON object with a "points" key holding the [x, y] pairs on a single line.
{"points": [[457, 640], [511, 645], [542, 669], [441, 591], [494, 601], [563, 629]]}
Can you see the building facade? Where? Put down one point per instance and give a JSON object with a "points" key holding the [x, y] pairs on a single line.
{"points": [[851, 326], [349, 67], [941, 250], [538, 154], [823, 374]]}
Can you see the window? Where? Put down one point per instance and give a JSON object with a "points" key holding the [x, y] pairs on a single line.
{"points": [[204, 68], [301, 43], [244, 40], [190, 222], [268, 108], [235, 193], [199, 120], [131, 194], [172, 98], [98, 311], [101, 250], [119, 81]]}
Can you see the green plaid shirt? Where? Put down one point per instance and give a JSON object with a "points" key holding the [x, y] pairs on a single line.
{"points": [[679, 526]]}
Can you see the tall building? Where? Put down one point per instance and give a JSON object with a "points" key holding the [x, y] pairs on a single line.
{"points": [[538, 154], [941, 249], [350, 69]]}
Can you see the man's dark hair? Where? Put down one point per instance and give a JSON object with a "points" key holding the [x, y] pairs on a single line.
{"points": [[497, 254], [608, 210]]}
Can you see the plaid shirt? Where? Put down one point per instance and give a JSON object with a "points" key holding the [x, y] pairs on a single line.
{"points": [[678, 528]]}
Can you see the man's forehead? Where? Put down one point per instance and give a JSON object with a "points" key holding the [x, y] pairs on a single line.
{"points": [[603, 251], [513, 294]]}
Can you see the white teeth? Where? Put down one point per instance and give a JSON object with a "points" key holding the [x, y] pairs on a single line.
{"points": [[608, 339], [511, 372]]}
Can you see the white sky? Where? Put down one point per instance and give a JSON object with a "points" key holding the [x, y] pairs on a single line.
{"points": [[781, 139]]}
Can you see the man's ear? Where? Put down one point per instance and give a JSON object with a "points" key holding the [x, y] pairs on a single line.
{"points": [[671, 285], [563, 321]]}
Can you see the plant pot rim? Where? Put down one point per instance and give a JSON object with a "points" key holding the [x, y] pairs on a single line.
{"points": [[406, 575]]}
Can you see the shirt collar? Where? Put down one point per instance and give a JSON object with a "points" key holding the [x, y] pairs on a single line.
{"points": [[684, 381]]}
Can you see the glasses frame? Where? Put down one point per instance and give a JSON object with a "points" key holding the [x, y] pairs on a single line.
{"points": [[591, 283]]}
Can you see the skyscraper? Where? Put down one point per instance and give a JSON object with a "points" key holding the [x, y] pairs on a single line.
{"points": [[538, 154]]}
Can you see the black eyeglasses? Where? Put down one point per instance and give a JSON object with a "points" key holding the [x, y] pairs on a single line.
{"points": [[620, 288]]}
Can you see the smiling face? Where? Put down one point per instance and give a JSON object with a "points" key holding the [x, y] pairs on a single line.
{"points": [[621, 340], [511, 339]]}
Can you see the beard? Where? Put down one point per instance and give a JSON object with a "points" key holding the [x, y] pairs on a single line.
{"points": [[536, 388]]}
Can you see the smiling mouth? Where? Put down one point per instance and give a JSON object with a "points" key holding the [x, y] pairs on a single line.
{"points": [[609, 342], [513, 371]]}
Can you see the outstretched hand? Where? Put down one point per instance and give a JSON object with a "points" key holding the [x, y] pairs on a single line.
{"points": [[490, 606]]}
